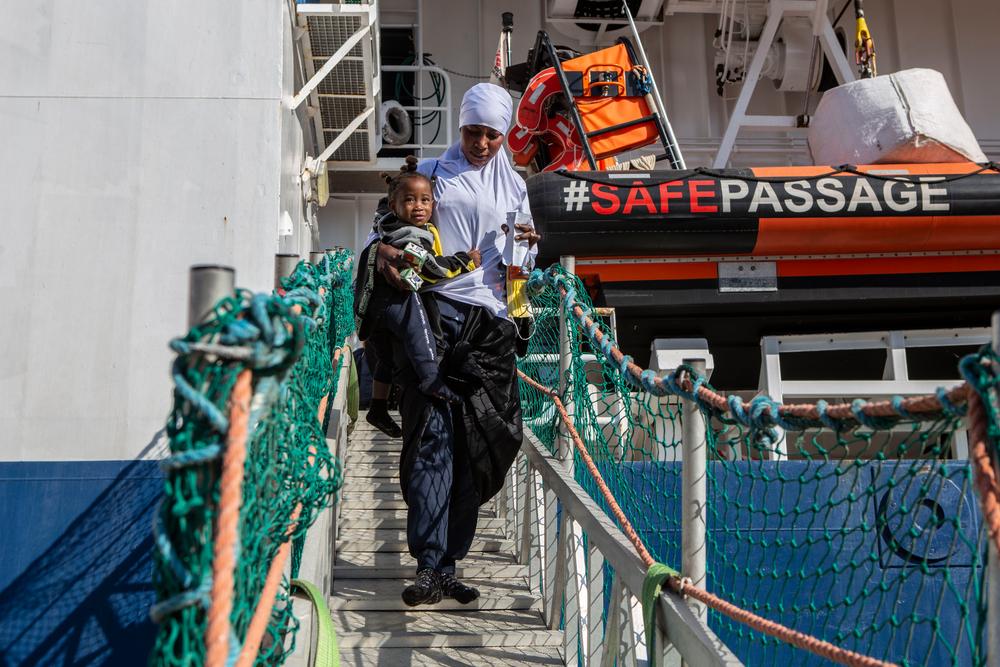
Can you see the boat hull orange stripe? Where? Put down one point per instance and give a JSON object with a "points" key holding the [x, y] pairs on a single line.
{"points": [[887, 266], [787, 236], [799, 268]]}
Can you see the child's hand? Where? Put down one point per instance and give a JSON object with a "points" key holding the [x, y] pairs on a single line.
{"points": [[476, 257], [388, 261]]}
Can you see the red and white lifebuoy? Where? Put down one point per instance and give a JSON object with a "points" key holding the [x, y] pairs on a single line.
{"points": [[531, 109], [534, 128]]}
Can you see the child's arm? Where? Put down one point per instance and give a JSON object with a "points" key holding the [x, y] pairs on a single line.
{"points": [[442, 267]]}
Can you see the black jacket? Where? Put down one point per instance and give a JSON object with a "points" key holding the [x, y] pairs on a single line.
{"points": [[372, 291], [487, 425]]}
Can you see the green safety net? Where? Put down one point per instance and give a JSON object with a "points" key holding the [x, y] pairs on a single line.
{"points": [[867, 535], [287, 339]]}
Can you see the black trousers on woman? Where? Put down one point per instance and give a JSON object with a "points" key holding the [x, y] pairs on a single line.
{"points": [[442, 499]]}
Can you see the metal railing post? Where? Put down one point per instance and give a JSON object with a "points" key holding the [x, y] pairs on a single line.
{"points": [[316, 256], [566, 342], [993, 562], [284, 265], [676, 157], [207, 284], [532, 526], [550, 561], [693, 493], [595, 607]]}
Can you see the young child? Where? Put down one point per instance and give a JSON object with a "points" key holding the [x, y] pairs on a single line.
{"points": [[386, 315], [381, 371]]}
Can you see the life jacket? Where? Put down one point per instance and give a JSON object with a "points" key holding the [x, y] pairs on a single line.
{"points": [[607, 90]]}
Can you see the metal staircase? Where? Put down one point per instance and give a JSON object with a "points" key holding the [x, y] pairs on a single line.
{"points": [[542, 585], [372, 565]]}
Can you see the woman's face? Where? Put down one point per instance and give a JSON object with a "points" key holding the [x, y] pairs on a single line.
{"points": [[480, 144]]}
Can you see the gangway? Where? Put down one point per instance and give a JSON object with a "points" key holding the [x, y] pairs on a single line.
{"points": [[374, 627]]}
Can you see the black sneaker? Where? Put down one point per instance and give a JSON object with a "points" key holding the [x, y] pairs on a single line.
{"points": [[455, 589], [383, 422], [425, 590]]}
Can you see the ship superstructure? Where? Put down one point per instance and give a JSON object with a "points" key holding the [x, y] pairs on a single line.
{"points": [[139, 140]]}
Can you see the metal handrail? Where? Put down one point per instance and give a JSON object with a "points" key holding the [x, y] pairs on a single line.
{"points": [[570, 576], [421, 108], [570, 579]]}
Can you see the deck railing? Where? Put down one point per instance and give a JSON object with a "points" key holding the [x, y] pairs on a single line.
{"points": [[863, 545], [569, 542]]}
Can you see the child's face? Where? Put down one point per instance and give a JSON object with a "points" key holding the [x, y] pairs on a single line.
{"points": [[414, 202]]}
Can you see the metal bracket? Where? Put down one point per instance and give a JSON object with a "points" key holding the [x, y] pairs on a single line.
{"points": [[815, 10]]}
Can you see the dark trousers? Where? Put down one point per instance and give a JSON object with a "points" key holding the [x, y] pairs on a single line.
{"points": [[443, 505], [378, 351], [403, 325]]}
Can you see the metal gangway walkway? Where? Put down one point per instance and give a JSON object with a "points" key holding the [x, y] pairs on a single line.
{"points": [[374, 627], [512, 622]]}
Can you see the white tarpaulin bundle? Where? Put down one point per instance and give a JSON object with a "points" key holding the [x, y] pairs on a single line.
{"points": [[904, 117]]}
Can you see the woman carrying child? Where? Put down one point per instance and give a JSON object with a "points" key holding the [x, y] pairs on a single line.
{"points": [[401, 324], [455, 455]]}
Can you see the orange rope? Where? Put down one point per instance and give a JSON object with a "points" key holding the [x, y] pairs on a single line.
{"points": [[985, 474], [269, 593], [227, 524], [684, 587], [630, 533], [840, 411], [785, 634], [322, 409]]}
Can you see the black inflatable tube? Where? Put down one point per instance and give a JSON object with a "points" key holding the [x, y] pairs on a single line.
{"points": [[714, 212]]}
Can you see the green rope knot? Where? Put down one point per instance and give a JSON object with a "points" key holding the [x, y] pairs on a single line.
{"points": [[980, 371], [657, 575]]}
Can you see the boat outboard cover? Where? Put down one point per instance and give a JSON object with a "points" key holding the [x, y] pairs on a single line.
{"points": [[906, 117]]}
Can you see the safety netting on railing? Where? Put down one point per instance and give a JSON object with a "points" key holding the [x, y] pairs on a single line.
{"points": [[249, 468], [852, 524]]}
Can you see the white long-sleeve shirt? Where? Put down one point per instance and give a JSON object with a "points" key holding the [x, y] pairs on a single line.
{"points": [[477, 208]]}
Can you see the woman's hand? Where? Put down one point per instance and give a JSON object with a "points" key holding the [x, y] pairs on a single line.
{"points": [[476, 257], [527, 233], [388, 261]]}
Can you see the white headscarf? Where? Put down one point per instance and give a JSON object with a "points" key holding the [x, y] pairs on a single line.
{"points": [[474, 206], [486, 104]]}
